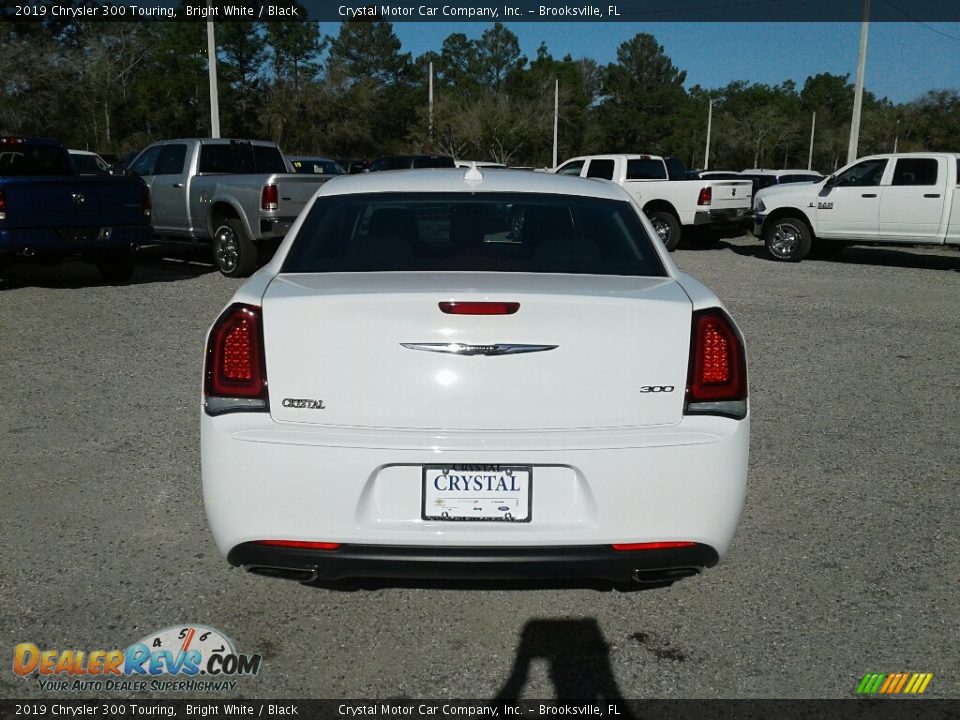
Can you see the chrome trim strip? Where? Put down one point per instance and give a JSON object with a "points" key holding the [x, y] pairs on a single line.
{"points": [[469, 349]]}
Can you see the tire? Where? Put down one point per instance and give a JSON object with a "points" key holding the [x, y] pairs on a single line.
{"points": [[234, 253], [787, 239], [116, 268], [667, 227]]}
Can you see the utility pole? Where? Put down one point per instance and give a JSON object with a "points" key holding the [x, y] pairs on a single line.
{"points": [[858, 92], [431, 101], [896, 135], [813, 129], [706, 154], [212, 71], [556, 117]]}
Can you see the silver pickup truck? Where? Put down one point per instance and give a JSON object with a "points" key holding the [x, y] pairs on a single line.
{"points": [[241, 196]]}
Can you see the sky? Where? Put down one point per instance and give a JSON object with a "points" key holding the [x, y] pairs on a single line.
{"points": [[904, 59]]}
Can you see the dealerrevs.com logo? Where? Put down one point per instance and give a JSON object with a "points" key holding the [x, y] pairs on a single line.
{"points": [[179, 658]]}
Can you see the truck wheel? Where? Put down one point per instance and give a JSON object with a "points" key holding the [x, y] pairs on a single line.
{"points": [[667, 227], [116, 268], [233, 251], [787, 239]]}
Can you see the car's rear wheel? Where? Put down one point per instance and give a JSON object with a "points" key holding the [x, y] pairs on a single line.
{"points": [[117, 267], [787, 239], [667, 227], [234, 253]]}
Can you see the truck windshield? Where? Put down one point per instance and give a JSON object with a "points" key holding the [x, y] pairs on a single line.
{"points": [[241, 158], [482, 232], [33, 160]]}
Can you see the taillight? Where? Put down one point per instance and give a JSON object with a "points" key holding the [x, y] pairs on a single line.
{"points": [[269, 197], [235, 373], [717, 375], [146, 203], [706, 196], [668, 545], [300, 544], [3, 205], [479, 308]]}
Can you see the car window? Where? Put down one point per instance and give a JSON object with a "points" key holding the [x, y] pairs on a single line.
{"points": [[487, 232], [171, 159], [89, 164], [601, 169], [864, 174], [646, 169], [675, 169], [915, 171], [240, 157], [34, 160], [146, 162], [798, 178], [571, 168]]}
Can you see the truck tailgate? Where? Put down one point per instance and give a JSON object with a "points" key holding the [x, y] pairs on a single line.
{"points": [[296, 190], [66, 202], [731, 194]]}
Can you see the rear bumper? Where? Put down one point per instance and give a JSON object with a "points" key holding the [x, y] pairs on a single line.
{"points": [[274, 228], [84, 241], [571, 563], [723, 217]]}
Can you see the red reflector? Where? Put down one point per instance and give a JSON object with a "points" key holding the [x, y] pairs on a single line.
{"points": [[479, 308], [653, 545], [235, 366], [269, 197], [302, 544], [706, 196], [718, 369]]}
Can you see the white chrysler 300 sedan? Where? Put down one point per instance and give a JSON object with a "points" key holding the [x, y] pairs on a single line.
{"points": [[482, 376]]}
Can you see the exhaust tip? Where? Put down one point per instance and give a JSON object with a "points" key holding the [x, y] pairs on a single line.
{"points": [[664, 574], [28, 252], [134, 247], [303, 575]]}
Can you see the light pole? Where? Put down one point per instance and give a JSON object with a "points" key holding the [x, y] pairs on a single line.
{"points": [[212, 71], [858, 92], [706, 154], [813, 128], [556, 117]]}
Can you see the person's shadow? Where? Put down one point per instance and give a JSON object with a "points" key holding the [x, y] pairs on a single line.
{"points": [[578, 657]]}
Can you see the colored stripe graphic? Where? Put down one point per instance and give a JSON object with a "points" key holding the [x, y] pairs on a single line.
{"points": [[894, 683]]}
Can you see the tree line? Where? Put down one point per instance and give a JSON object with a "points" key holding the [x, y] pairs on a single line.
{"points": [[115, 87]]}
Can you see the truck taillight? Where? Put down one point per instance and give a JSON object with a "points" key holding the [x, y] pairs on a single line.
{"points": [[3, 205], [706, 196], [717, 373], [269, 198], [235, 374], [146, 203]]}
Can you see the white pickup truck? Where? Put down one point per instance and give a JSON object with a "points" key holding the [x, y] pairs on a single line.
{"points": [[241, 196], [668, 198], [907, 198]]}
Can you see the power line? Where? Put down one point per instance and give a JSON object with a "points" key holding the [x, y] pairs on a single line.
{"points": [[920, 22]]}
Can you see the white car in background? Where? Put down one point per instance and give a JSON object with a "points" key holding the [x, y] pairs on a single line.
{"points": [[419, 387]]}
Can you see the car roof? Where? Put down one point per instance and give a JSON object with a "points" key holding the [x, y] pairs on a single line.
{"points": [[455, 180], [82, 152]]}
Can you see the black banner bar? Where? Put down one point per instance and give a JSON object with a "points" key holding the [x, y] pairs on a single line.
{"points": [[861, 709], [484, 11]]}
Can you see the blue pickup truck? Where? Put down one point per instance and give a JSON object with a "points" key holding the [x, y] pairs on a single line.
{"points": [[48, 212]]}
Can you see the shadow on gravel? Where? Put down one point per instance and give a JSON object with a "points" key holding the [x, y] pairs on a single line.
{"points": [[153, 265], [577, 658], [880, 256]]}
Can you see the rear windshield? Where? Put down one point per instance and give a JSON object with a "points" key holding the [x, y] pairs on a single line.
{"points": [[33, 160], [240, 158], [485, 232]]}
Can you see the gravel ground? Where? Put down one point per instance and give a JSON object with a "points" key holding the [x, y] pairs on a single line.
{"points": [[846, 560]]}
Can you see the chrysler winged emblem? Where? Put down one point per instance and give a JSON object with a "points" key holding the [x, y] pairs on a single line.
{"points": [[468, 349]]}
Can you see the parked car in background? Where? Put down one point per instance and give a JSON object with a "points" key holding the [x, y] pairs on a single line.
{"points": [[89, 163], [451, 399], [717, 175], [315, 165], [49, 212], [907, 198], [353, 166], [669, 199], [240, 196], [408, 162], [766, 178]]}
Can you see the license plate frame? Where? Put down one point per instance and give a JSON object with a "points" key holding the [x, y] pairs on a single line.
{"points": [[477, 505]]}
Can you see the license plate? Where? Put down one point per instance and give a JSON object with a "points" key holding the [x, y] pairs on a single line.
{"points": [[477, 492]]}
